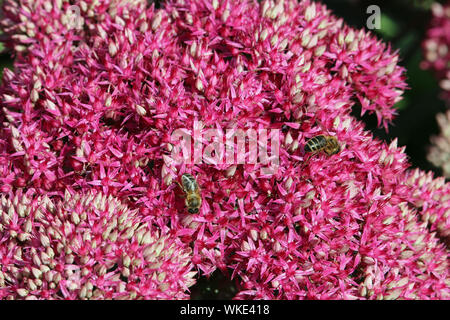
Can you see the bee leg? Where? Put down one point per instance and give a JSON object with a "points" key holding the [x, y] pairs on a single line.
{"points": [[309, 156], [182, 189]]}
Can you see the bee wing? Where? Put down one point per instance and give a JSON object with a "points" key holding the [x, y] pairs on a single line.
{"points": [[189, 182]]}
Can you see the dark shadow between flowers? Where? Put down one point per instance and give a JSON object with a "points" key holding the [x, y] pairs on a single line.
{"points": [[215, 287]]}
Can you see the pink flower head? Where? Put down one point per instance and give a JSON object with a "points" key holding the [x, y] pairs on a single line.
{"points": [[437, 58], [439, 153], [436, 46], [94, 108], [86, 246]]}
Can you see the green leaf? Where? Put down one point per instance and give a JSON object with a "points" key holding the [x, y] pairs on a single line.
{"points": [[389, 27]]}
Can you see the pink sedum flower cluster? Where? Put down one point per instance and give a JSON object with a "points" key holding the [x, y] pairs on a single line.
{"points": [[439, 153], [92, 109], [437, 46], [437, 58], [87, 246]]}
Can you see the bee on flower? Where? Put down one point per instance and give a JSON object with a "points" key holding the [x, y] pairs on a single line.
{"points": [[329, 144], [191, 189]]}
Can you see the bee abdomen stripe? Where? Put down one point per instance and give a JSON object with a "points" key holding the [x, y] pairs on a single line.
{"points": [[315, 143]]}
